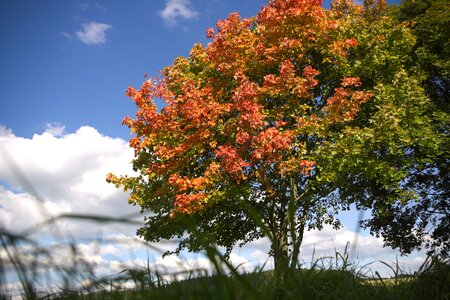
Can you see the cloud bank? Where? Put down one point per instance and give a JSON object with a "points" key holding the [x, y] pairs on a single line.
{"points": [[54, 173]]}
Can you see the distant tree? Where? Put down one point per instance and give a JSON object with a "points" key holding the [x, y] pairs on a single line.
{"points": [[278, 123]]}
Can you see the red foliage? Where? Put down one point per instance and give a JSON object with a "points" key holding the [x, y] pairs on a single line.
{"points": [[245, 101]]}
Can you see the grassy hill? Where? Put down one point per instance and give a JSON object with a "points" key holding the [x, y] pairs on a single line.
{"points": [[432, 282]]}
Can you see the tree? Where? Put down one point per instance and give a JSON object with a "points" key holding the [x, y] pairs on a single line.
{"points": [[412, 211], [422, 220], [263, 124], [430, 23]]}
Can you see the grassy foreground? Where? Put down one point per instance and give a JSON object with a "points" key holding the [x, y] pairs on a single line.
{"points": [[433, 283], [35, 267], [327, 278], [301, 284]]}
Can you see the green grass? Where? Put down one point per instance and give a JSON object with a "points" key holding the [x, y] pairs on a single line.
{"points": [[327, 278], [332, 281], [432, 283]]}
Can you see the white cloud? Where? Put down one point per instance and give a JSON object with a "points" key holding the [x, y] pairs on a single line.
{"points": [[55, 129], [93, 33], [66, 171], [5, 132], [177, 9]]}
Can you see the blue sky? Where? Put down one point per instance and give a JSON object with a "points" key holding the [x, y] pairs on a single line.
{"points": [[64, 69], [71, 61]]}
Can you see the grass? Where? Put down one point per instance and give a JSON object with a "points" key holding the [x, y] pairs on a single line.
{"points": [[327, 278], [300, 284], [432, 283]]}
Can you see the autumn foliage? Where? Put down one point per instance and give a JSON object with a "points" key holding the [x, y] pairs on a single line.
{"points": [[257, 116], [242, 108]]}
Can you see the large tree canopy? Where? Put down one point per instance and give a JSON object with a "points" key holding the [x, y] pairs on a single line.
{"points": [[278, 123]]}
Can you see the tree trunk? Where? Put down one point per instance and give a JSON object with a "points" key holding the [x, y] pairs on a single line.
{"points": [[296, 229], [280, 251], [280, 244], [296, 245]]}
